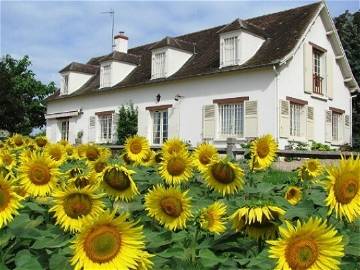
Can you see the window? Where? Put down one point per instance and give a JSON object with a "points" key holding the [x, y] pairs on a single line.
{"points": [[336, 122], [159, 65], [65, 130], [105, 127], [160, 126], [230, 51], [317, 71], [106, 76], [231, 120], [66, 84], [295, 119]]}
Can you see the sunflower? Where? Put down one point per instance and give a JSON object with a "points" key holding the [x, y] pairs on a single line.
{"points": [[212, 217], [17, 140], [258, 222], [124, 156], [73, 207], [117, 182], [310, 169], [144, 262], [310, 245], [84, 178], [38, 174], [7, 159], [169, 206], [41, 141], [293, 195], [343, 189], [81, 150], [92, 152], [148, 160], [99, 165], [63, 142], [9, 202], [224, 176], [108, 242], [203, 154], [56, 152], [173, 145], [158, 157], [263, 152], [136, 148], [176, 168], [71, 153]]}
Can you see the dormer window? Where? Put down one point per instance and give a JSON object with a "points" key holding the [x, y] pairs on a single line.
{"points": [[231, 51], [105, 76], [318, 71], [66, 84], [159, 65]]}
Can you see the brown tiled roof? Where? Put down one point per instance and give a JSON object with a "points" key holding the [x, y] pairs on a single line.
{"points": [[241, 24], [79, 67], [283, 31], [175, 43], [119, 56]]}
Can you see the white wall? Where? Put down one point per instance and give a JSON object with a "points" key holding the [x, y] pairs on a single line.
{"points": [[176, 59], [76, 80], [258, 85], [291, 82], [119, 71], [249, 45]]}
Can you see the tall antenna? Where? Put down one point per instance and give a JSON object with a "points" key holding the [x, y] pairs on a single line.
{"points": [[112, 14]]}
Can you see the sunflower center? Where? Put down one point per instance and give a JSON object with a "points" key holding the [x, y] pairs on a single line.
{"points": [[39, 174], [158, 157], [291, 193], [77, 205], [102, 244], [81, 182], [301, 253], [176, 166], [41, 142], [263, 149], [7, 159], [4, 198], [18, 141], [135, 147], [204, 158], [346, 189], [117, 179], [171, 206], [223, 173], [92, 153], [55, 154], [74, 172], [312, 166], [99, 166]]}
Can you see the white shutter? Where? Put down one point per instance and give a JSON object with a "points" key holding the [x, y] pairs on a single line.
{"points": [[341, 129], [251, 119], [303, 113], [174, 122], [208, 121], [115, 120], [310, 123], [328, 126], [284, 118], [347, 129], [308, 68], [143, 123], [221, 53], [92, 129], [329, 75]]}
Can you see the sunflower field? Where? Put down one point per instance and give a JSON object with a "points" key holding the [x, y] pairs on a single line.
{"points": [[81, 207]]}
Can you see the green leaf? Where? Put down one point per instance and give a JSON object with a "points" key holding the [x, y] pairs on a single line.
{"points": [[35, 207], [24, 260], [353, 250], [172, 252], [50, 243], [58, 261], [209, 259]]}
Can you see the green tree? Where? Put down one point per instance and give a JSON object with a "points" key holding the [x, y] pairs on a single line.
{"points": [[127, 125], [22, 105], [348, 27]]}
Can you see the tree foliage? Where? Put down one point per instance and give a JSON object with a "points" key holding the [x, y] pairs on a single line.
{"points": [[348, 27], [22, 105], [127, 125]]}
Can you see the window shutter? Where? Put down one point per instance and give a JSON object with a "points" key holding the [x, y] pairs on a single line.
{"points": [[347, 129], [143, 123], [328, 126], [221, 53], [310, 123], [92, 129], [208, 122], [308, 68], [251, 119], [303, 115], [341, 129], [115, 120], [284, 118], [329, 76], [174, 122]]}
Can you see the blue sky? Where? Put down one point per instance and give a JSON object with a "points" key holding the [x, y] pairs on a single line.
{"points": [[55, 33]]}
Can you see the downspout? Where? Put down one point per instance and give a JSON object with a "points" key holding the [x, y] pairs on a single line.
{"points": [[277, 130]]}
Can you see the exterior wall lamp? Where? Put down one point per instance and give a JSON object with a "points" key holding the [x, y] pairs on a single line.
{"points": [[178, 97], [158, 97]]}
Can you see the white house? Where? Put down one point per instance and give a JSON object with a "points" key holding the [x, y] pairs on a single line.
{"points": [[284, 73]]}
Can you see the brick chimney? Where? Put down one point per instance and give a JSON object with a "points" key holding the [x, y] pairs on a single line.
{"points": [[121, 42]]}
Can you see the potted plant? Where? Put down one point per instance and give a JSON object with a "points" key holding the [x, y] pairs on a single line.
{"points": [[78, 139]]}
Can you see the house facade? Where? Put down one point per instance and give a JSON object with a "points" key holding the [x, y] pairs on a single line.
{"points": [[284, 73]]}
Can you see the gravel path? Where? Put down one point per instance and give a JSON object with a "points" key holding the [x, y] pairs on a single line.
{"points": [[292, 165]]}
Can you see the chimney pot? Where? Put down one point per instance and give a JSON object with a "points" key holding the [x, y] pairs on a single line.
{"points": [[121, 42]]}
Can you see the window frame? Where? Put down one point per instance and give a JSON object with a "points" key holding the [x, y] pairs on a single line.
{"points": [[159, 61], [106, 127], [233, 60], [318, 71], [296, 131], [102, 77], [220, 113], [161, 125], [339, 119], [64, 134]]}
